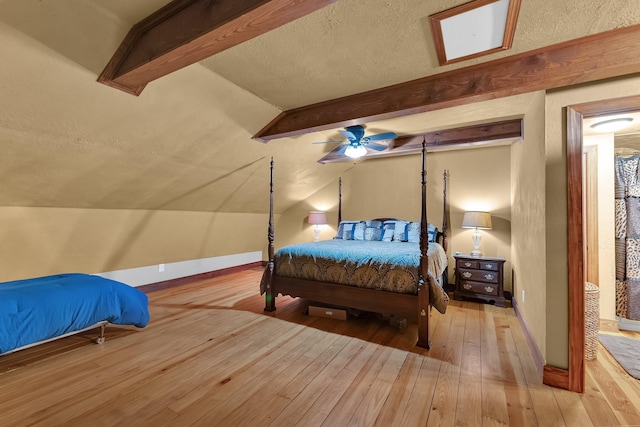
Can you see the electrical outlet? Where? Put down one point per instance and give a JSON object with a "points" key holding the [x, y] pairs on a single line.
{"points": [[523, 295], [160, 268]]}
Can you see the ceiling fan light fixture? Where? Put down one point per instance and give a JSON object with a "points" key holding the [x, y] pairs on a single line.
{"points": [[355, 151], [612, 125]]}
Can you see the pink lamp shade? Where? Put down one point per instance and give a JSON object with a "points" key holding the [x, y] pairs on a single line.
{"points": [[317, 218]]}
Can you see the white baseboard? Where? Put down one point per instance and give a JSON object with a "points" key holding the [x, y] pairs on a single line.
{"points": [[151, 274], [628, 324]]}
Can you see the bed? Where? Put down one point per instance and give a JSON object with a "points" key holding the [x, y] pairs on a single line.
{"points": [[382, 274], [38, 310]]}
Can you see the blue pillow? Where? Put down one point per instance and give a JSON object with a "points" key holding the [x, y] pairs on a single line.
{"points": [[432, 231], [373, 233], [413, 232], [341, 229], [374, 223], [399, 230]]}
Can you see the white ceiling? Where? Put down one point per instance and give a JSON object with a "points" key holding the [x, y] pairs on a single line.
{"points": [[185, 142], [626, 138]]}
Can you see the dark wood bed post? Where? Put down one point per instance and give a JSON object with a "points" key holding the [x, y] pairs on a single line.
{"points": [[423, 272], [270, 295], [444, 210], [339, 201]]}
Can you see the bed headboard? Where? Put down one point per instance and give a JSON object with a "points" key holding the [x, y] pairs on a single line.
{"points": [[441, 237]]}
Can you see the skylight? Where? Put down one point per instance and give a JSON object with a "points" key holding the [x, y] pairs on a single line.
{"points": [[473, 29]]}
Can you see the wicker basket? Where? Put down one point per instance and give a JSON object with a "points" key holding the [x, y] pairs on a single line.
{"points": [[591, 317]]}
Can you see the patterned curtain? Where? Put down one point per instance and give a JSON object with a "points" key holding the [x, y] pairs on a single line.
{"points": [[627, 195]]}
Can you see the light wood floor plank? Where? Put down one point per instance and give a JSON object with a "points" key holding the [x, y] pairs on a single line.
{"points": [[494, 400], [519, 405], [445, 399], [469, 409], [211, 356], [572, 408], [396, 404], [318, 412], [342, 412], [370, 407]]}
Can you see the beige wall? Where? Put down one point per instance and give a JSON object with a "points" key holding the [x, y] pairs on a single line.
{"points": [[556, 201], [606, 223], [537, 210], [528, 221], [479, 178], [42, 241]]}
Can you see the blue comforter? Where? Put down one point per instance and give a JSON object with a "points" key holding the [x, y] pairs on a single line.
{"points": [[37, 309]]}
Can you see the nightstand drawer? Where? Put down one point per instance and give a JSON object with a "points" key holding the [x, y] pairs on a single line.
{"points": [[478, 275], [465, 263], [488, 265], [480, 287]]}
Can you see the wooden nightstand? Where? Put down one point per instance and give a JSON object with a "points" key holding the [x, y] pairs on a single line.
{"points": [[480, 277]]}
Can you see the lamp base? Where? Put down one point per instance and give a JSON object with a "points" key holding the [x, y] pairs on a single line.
{"points": [[476, 237], [316, 232]]}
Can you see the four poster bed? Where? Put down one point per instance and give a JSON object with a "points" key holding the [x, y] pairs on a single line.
{"points": [[385, 265]]}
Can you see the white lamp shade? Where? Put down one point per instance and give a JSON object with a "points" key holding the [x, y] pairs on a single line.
{"points": [[317, 218], [476, 219]]}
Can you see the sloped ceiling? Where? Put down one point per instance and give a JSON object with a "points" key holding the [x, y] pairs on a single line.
{"points": [[185, 142]]}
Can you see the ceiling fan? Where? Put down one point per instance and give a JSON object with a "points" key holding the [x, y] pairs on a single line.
{"points": [[356, 143]]}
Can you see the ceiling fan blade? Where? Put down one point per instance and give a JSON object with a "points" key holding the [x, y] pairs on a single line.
{"points": [[380, 137], [328, 142], [377, 147], [349, 135], [340, 150]]}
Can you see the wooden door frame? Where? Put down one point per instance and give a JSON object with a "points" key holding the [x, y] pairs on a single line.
{"points": [[575, 256], [590, 180]]}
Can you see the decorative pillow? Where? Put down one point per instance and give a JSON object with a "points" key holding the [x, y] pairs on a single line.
{"points": [[413, 232], [374, 223], [387, 231], [358, 231], [432, 231], [341, 229], [399, 230], [373, 233]]}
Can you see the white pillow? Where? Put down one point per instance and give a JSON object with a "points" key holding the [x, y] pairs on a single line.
{"points": [[387, 231], [358, 231]]}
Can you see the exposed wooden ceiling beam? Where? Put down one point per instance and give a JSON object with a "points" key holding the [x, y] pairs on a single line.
{"points": [[464, 136], [600, 56], [187, 31]]}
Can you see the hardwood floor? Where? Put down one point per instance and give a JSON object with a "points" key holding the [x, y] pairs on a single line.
{"points": [[210, 356]]}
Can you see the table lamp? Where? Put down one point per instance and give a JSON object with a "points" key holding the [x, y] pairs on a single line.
{"points": [[477, 220]]}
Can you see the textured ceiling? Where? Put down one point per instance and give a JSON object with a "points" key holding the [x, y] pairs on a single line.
{"points": [[354, 45], [185, 143]]}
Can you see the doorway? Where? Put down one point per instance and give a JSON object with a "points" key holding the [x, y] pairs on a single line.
{"points": [[576, 114]]}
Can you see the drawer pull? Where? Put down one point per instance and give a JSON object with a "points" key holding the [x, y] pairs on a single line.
{"points": [[489, 276], [467, 286], [489, 266], [489, 289], [466, 274], [467, 264]]}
